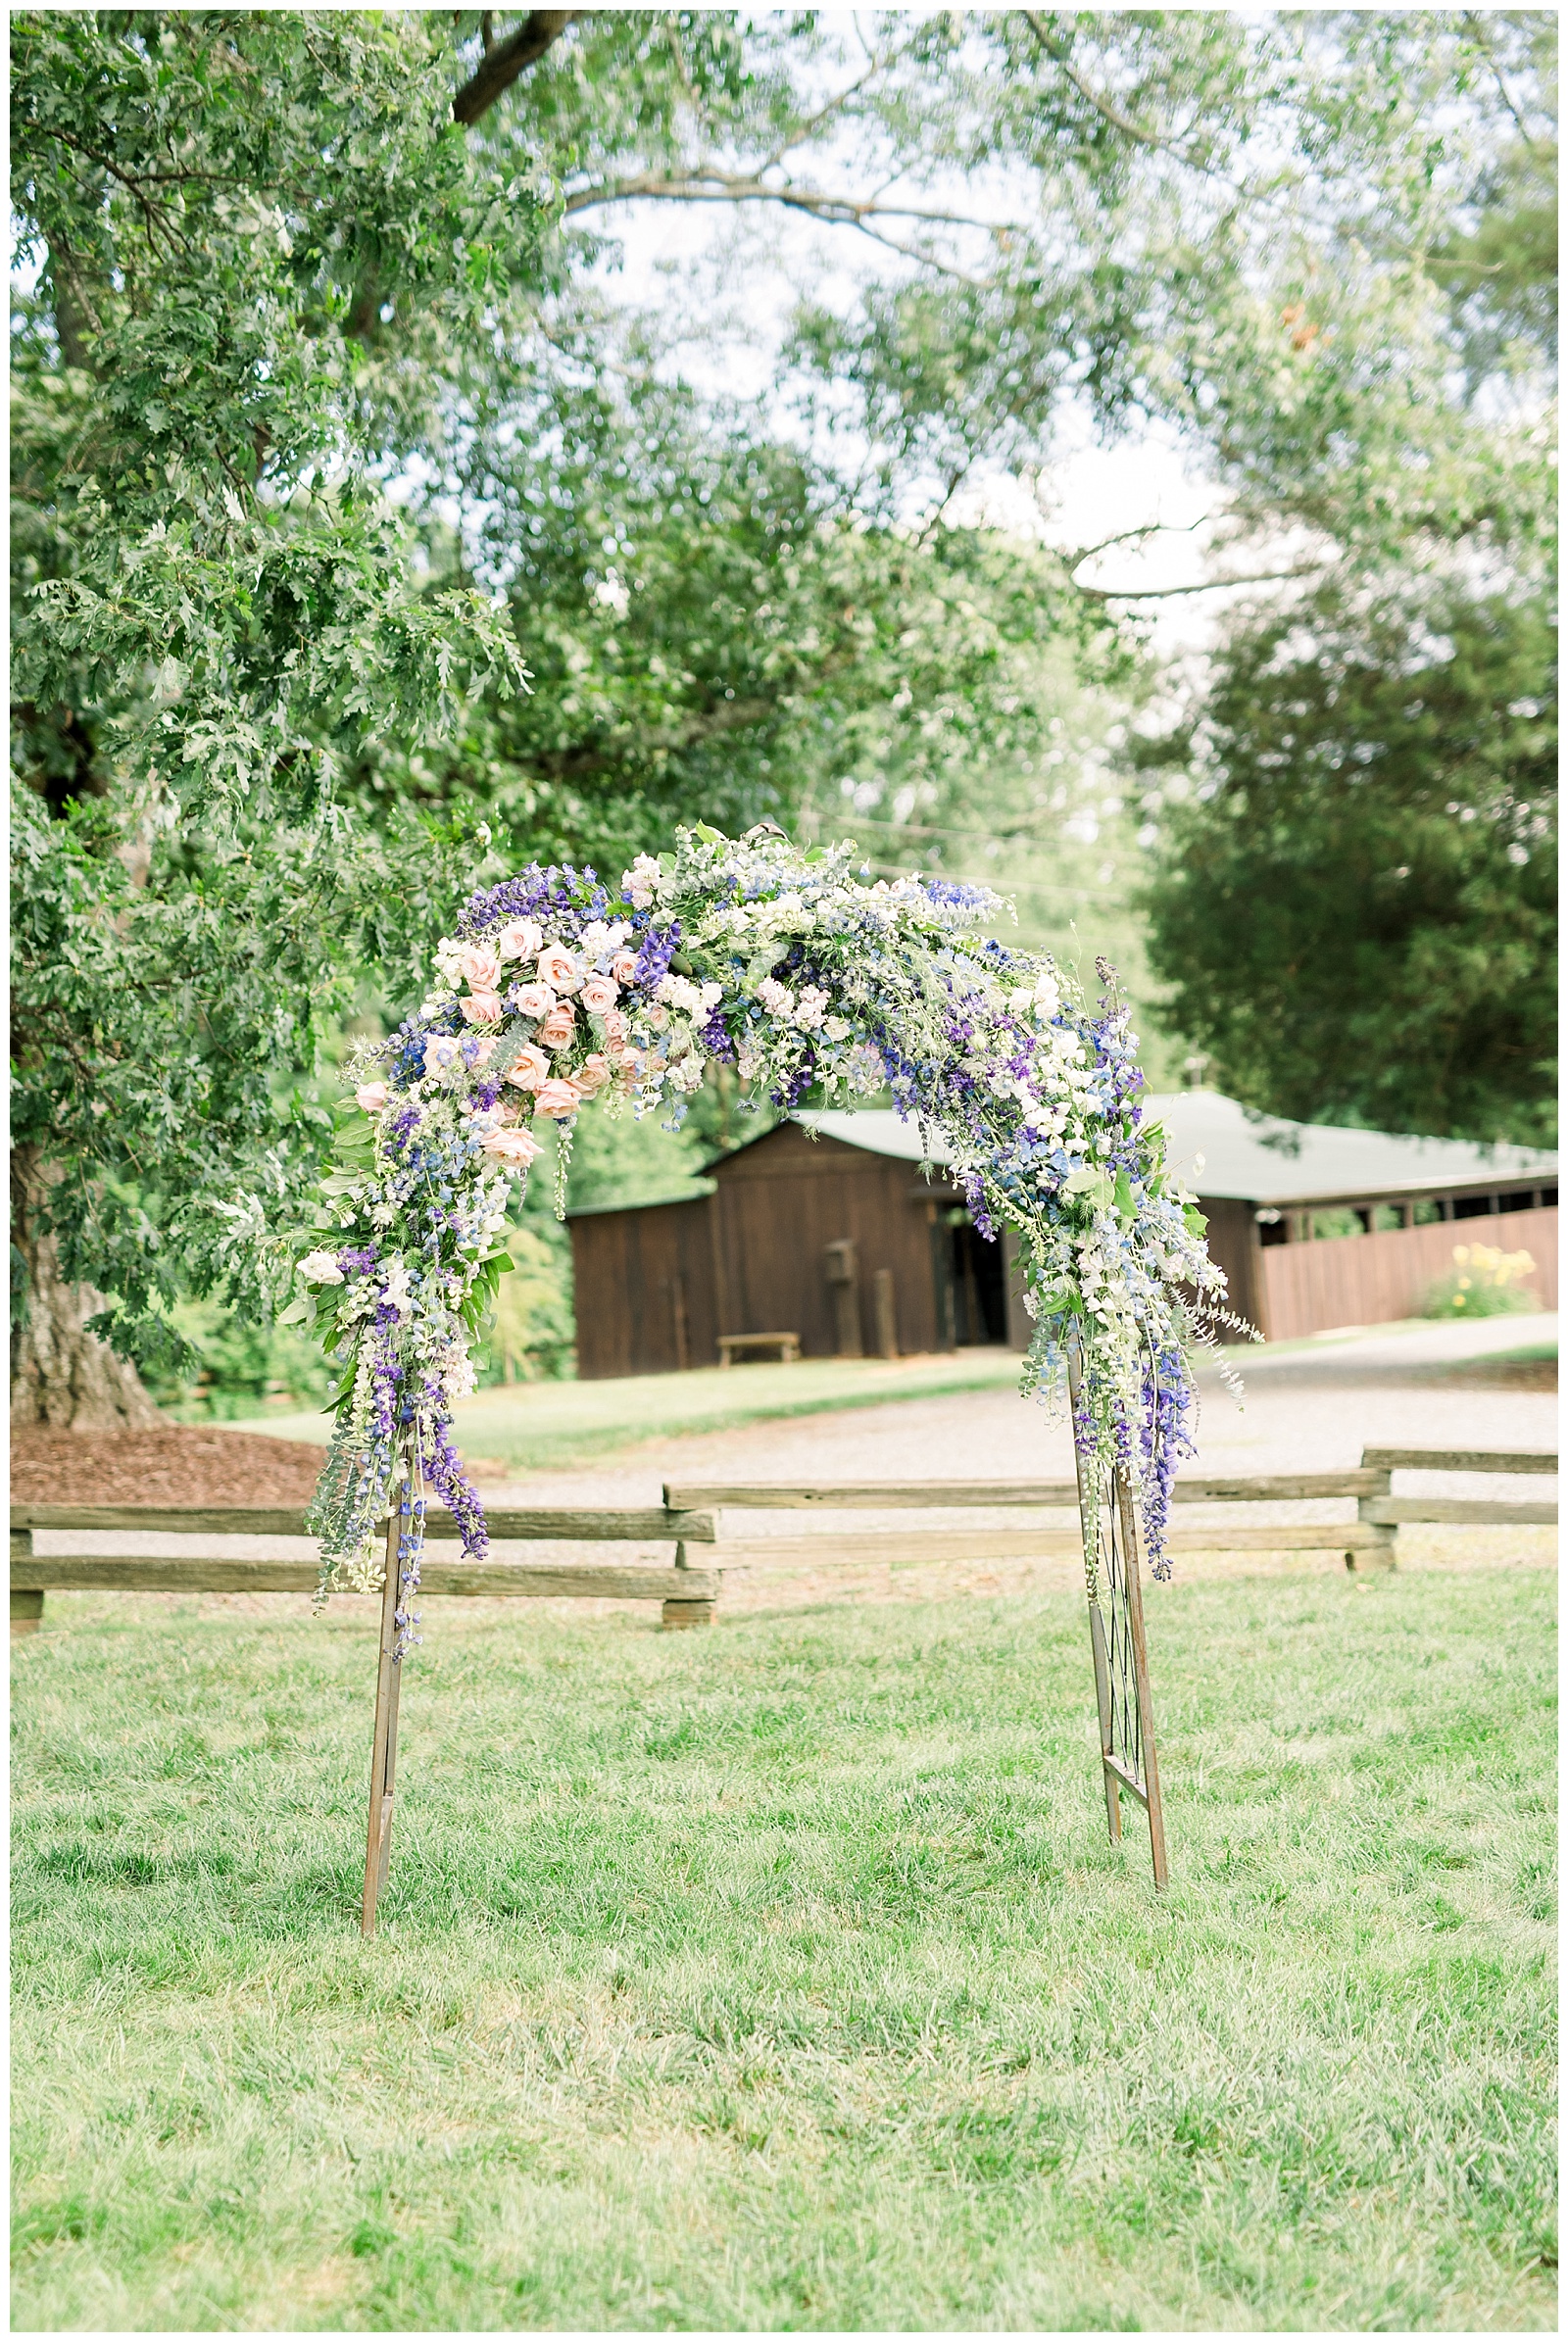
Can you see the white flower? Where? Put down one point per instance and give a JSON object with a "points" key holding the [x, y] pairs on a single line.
{"points": [[811, 1006], [320, 1268], [679, 992], [777, 998], [640, 883], [395, 1290], [835, 1028]]}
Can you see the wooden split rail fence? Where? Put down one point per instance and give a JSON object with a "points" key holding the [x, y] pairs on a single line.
{"points": [[689, 1518]]}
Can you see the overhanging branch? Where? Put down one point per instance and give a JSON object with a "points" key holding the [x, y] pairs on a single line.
{"points": [[1207, 585], [501, 64], [716, 186]]}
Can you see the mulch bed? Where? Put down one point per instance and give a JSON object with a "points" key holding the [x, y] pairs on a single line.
{"points": [[195, 1464]]}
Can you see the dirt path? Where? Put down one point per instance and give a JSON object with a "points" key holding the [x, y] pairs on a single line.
{"points": [[1307, 1410]]}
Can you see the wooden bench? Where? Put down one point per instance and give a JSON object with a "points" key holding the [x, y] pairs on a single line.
{"points": [[788, 1347], [688, 1594]]}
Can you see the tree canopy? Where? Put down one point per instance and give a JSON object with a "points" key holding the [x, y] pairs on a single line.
{"points": [[1357, 907], [375, 533]]}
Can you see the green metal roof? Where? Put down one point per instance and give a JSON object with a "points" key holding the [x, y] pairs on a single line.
{"points": [[1262, 1159], [1223, 1149]]}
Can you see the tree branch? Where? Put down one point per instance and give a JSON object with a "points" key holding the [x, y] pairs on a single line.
{"points": [[501, 64], [1128, 536], [716, 186], [1209, 585], [1477, 31], [1102, 106]]}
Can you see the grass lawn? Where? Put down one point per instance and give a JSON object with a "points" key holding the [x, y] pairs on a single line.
{"points": [[538, 1424], [781, 1976]]}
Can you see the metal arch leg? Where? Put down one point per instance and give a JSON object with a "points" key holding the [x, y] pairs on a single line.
{"points": [[1097, 1643], [1127, 1753], [1145, 1700], [384, 1739]]}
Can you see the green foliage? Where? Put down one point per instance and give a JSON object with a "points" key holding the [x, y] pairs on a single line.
{"points": [[207, 198], [1356, 909], [240, 1370], [1223, 220], [216, 607], [782, 1978], [266, 280]]}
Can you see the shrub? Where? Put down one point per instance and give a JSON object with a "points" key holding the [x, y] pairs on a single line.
{"points": [[1484, 1282]]}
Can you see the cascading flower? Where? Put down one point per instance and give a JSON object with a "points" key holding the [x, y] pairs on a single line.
{"points": [[807, 979]]}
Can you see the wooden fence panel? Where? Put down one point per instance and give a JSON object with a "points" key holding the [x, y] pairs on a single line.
{"points": [[1373, 1279]]}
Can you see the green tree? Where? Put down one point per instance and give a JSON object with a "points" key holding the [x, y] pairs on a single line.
{"points": [[216, 611], [286, 263], [1354, 906]]}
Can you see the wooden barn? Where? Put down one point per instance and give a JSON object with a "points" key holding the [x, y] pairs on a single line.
{"points": [[823, 1238]]}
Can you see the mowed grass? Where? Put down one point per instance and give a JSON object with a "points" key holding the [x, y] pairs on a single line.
{"points": [[534, 1425], [782, 1976]]}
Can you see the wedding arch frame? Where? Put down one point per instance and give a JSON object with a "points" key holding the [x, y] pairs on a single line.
{"points": [[557, 988], [1128, 1757]]}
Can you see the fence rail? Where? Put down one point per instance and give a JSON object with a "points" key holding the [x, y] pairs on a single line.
{"points": [[690, 1519]]}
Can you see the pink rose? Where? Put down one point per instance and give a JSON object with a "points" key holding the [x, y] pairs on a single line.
{"points": [[482, 1009], [615, 1027], [558, 969], [624, 966], [557, 1099], [556, 1031], [591, 1075], [532, 1000], [532, 1068], [521, 941], [371, 1096], [479, 1047], [516, 1149], [480, 966], [600, 994], [441, 1054]]}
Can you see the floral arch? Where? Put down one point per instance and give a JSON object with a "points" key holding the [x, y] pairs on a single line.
{"points": [[558, 990]]}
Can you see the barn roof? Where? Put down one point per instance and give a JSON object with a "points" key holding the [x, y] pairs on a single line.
{"points": [[1262, 1159]]}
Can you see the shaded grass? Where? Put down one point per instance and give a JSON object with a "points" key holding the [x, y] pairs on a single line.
{"points": [[534, 1425], [782, 1976]]}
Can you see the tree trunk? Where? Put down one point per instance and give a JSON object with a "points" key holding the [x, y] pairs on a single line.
{"points": [[60, 1374]]}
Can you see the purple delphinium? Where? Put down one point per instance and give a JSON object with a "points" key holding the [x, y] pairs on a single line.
{"points": [[655, 952], [444, 1467], [411, 1546], [519, 898]]}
